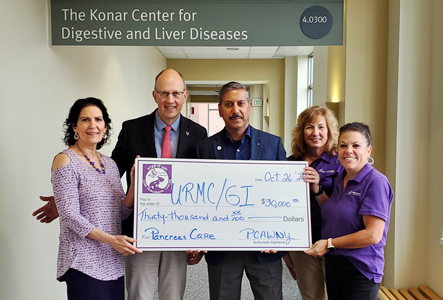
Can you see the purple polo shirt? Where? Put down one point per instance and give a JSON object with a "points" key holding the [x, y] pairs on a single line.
{"points": [[327, 167], [369, 193]]}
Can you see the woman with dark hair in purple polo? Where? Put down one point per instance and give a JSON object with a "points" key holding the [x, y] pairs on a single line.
{"points": [[355, 220]]}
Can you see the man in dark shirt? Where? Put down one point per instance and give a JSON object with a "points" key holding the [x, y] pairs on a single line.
{"points": [[240, 141]]}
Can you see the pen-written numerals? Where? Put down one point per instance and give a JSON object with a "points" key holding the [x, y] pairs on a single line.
{"points": [[275, 203], [283, 177]]}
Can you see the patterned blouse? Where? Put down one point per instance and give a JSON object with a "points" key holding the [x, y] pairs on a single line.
{"points": [[86, 199]]}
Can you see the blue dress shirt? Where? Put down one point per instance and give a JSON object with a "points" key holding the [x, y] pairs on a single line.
{"points": [[238, 150]]}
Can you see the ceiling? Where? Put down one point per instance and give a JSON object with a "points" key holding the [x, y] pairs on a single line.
{"points": [[255, 52], [212, 88]]}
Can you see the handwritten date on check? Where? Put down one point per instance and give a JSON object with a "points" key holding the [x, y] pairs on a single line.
{"points": [[221, 205]]}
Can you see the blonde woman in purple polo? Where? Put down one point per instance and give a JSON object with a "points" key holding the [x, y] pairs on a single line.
{"points": [[314, 139], [355, 220], [91, 204]]}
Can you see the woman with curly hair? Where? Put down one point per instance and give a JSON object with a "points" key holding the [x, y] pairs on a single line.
{"points": [[91, 203]]}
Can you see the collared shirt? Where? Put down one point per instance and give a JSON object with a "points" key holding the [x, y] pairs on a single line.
{"points": [[369, 193], [238, 150], [159, 131], [327, 166]]}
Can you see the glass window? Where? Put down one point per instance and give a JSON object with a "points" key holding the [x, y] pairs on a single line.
{"points": [[310, 79], [206, 114]]}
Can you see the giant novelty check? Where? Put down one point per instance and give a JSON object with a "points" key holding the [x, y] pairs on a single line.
{"points": [[221, 205]]}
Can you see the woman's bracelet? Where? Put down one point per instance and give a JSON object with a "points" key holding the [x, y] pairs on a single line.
{"points": [[320, 191]]}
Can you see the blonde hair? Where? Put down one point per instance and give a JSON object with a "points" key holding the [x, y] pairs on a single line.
{"points": [[309, 116]]}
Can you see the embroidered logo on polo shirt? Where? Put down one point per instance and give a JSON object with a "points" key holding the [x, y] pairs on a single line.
{"points": [[327, 171], [354, 193]]}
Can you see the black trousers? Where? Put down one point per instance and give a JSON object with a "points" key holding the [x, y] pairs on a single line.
{"points": [[225, 278], [346, 282], [83, 287]]}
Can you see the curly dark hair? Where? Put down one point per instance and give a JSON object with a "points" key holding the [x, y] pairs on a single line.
{"points": [[72, 119]]}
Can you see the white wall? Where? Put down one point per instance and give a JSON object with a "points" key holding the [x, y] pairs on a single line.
{"points": [[393, 83], [296, 94], [320, 76], [366, 70], [391, 133], [38, 84], [302, 83], [256, 119], [291, 101], [411, 155], [414, 143], [435, 207]]}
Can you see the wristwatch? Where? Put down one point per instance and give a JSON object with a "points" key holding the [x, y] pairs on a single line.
{"points": [[320, 191], [330, 246]]}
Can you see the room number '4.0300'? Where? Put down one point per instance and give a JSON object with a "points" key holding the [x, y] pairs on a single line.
{"points": [[315, 19]]}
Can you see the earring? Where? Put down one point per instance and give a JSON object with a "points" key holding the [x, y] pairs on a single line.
{"points": [[370, 161], [76, 136], [105, 135]]}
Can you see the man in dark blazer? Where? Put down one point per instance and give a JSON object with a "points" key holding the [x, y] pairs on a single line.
{"points": [[240, 141], [144, 137]]}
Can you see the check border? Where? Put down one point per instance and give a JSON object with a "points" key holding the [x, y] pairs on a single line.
{"points": [[176, 241]]}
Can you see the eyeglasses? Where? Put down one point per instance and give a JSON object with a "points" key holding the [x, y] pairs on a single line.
{"points": [[175, 95]]}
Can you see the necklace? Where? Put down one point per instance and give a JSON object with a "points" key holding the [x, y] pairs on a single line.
{"points": [[102, 171]]}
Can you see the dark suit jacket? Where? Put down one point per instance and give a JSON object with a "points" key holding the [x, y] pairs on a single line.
{"points": [[264, 146], [137, 138]]}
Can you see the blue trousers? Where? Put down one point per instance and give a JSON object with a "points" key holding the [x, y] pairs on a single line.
{"points": [[83, 287]]}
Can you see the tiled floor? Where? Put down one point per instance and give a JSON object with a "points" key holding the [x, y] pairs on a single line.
{"points": [[197, 284]]}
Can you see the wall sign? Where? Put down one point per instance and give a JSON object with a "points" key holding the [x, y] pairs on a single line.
{"points": [[257, 102], [316, 22], [197, 23]]}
